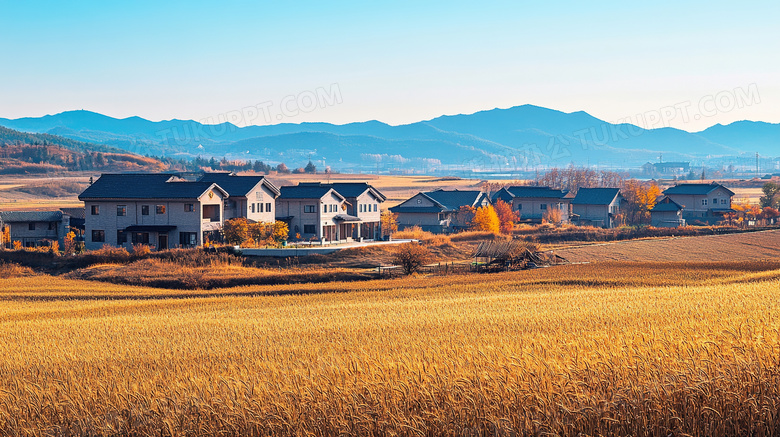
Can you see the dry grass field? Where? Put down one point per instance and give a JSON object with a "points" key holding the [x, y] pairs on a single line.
{"points": [[597, 349], [735, 247]]}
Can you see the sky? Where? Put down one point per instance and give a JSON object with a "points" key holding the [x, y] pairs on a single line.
{"points": [[687, 65]]}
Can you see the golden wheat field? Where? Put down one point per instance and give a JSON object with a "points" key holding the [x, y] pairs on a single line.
{"points": [[598, 349]]}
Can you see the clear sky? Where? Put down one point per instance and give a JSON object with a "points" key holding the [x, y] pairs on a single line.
{"points": [[396, 61]]}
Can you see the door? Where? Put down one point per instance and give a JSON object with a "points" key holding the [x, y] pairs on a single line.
{"points": [[162, 242]]}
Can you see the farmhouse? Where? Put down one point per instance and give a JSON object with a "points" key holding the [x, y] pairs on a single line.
{"points": [[533, 203], [364, 202], [596, 206], [667, 214], [436, 211], [315, 212], [161, 210], [251, 197], [34, 228], [702, 203]]}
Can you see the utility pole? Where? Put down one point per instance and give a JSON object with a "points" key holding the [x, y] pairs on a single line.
{"points": [[757, 172]]}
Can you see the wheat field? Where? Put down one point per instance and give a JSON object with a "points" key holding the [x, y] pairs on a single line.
{"points": [[600, 349]]}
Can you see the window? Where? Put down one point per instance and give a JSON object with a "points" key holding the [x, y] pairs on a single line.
{"points": [[723, 202], [543, 206], [31, 226], [333, 208], [419, 200], [376, 207], [189, 207], [121, 237], [159, 209], [252, 208], [715, 201], [140, 238], [704, 202], [144, 209], [52, 226], [442, 216], [121, 210], [95, 209], [309, 208], [188, 239], [324, 208], [519, 206], [259, 207], [268, 207], [98, 236], [308, 229]]}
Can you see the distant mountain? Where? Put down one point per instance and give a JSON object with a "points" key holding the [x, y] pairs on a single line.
{"points": [[515, 138], [747, 136]]}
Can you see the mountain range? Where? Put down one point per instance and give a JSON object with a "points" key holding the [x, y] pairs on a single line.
{"points": [[516, 137]]}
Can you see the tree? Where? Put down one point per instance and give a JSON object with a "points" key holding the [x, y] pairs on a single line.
{"points": [[771, 195], [464, 216], [770, 214], [282, 168], [486, 219], [553, 216], [236, 231], [5, 239], [506, 217], [388, 222], [69, 244], [411, 256], [639, 199], [280, 232], [310, 168]]}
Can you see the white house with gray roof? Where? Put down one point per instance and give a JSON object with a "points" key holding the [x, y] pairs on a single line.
{"points": [[702, 203], [533, 203], [596, 206], [251, 197], [315, 211], [161, 210]]}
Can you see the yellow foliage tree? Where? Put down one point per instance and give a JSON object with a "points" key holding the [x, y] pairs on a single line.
{"points": [[486, 219], [506, 217], [69, 244], [388, 222]]}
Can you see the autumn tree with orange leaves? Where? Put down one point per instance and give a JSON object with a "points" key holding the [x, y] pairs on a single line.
{"points": [[486, 219], [640, 198], [506, 217]]}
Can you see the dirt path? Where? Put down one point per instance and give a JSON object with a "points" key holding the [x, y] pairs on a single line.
{"points": [[732, 247]]}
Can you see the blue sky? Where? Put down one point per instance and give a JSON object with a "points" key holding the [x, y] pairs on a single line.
{"points": [[396, 62]]}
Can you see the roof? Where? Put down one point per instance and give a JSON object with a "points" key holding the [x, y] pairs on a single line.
{"points": [[145, 186], [306, 191], [30, 216], [77, 213], [421, 209], [666, 205], [355, 189], [238, 186], [452, 200], [346, 218], [541, 192], [595, 196], [695, 189]]}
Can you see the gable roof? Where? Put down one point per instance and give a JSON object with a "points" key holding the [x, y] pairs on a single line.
{"points": [[695, 189], [666, 204], [306, 191], [146, 186], [30, 216], [355, 189], [534, 192], [452, 200], [595, 196], [238, 186], [77, 213]]}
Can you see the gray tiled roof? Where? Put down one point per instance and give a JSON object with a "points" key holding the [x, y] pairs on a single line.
{"points": [[667, 204], [237, 186], [354, 189], [143, 186], [595, 196], [695, 189], [535, 192], [454, 199], [305, 191], [77, 213], [30, 216]]}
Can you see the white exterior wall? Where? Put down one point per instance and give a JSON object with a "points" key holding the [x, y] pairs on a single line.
{"points": [[295, 208], [260, 195], [694, 206], [532, 207]]}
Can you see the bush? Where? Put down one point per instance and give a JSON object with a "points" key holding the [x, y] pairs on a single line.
{"points": [[411, 256], [141, 250]]}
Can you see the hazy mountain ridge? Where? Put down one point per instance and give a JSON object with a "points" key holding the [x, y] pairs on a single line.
{"points": [[519, 136]]}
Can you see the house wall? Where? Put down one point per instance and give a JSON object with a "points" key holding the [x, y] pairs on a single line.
{"points": [[371, 214], [598, 214], [175, 215], [260, 195], [532, 207], [428, 221], [666, 219], [695, 208], [295, 208], [20, 231]]}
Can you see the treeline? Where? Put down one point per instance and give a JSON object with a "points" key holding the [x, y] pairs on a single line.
{"points": [[26, 158], [256, 166]]}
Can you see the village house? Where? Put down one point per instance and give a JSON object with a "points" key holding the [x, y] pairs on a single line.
{"points": [[33, 228], [161, 210], [702, 203], [315, 212], [667, 214], [436, 211], [596, 207], [364, 202], [534, 203], [251, 197]]}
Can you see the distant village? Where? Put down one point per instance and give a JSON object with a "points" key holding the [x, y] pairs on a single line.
{"points": [[165, 210]]}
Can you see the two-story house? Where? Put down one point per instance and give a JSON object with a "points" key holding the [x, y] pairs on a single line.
{"points": [[161, 210], [251, 197], [315, 212], [364, 202], [702, 203], [33, 228], [596, 206], [667, 214], [534, 203], [436, 211]]}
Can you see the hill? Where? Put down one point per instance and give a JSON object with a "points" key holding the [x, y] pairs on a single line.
{"points": [[26, 153], [516, 138]]}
